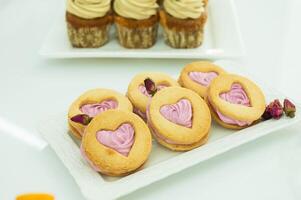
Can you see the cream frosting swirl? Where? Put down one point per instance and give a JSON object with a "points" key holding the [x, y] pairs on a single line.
{"points": [[236, 95], [121, 140], [184, 9], [203, 78], [89, 9], [94, 109], [179, 113], [142, 9]]}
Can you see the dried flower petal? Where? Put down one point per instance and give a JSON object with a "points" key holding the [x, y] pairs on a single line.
{"points": [[289, 108], [82, 119], [150, 86]]}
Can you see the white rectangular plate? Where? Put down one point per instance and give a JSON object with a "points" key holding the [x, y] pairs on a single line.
{"points": [[222, 40], [162, 162]]}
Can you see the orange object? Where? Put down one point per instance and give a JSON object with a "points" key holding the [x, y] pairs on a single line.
{"points": [[35, 196]]}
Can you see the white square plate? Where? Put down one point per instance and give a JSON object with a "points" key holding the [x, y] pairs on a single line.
{"points": [[222, 40], [162, 162]]}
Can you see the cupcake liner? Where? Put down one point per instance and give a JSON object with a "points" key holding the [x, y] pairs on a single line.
{"points": [[88, 33], [138, 34], [183, 39], [179, 33]]}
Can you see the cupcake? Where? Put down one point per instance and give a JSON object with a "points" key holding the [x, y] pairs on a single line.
{"points": [[137, 92], [179, 119], [116, 143], [136, 22], [91, 104], [235, 101], [88, 22], [183, 22], [197, 76]]}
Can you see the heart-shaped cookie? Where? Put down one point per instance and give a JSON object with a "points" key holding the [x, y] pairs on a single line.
{"points": [[121, 140], [92, 103], [116, 142], [235, 101], [138, 94], [197, 76], [179, 113], [179, 118]]}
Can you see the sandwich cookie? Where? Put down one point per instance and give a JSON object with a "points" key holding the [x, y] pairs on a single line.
{"points": [[116, 143], [197, 76], [179, 119], [235, 102], [92, 103], [138, 94]]}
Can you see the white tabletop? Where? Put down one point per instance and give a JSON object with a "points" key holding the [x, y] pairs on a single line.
{"points": [[32, 88]]}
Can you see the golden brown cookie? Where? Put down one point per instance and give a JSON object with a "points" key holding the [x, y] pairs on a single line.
{"points": [[197, 76], [235, 101], [94, 102], [179, 119], [137, 92], [116, 143]]}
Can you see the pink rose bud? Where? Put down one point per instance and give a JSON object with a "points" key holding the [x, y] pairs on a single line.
{"points": [[276, 109], [267, 114], [82, 119], [273, 110], [289, 108], [150, 86]]}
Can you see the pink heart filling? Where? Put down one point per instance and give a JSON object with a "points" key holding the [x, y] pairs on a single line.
{"points": [[94, 109], [143, 90], [179, 113], [236, 95], [121, 140], [203, 78]]}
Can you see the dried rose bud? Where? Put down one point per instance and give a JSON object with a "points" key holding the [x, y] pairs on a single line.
{"points": [[289, 108], [273, 110], [276, 109], [267, 114], [82, 119], [150, 86]]}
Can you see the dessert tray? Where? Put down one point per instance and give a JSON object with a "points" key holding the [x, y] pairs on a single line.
{"points": [[162, 162], [222, 40]]}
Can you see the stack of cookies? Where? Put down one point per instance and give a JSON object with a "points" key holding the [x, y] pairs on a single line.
{"points": [[136, 21], [116, 130]]}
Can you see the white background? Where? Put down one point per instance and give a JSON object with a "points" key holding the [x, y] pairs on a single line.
{"points": [[32, 87]]}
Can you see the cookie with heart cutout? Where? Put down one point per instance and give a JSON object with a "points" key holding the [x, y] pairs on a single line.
{"points": [[138, 94], [92, 103], [179, 119], [235, 101], [197, 76], [116, 143]]}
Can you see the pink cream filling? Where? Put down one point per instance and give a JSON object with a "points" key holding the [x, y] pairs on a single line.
{"points": [[121, 140], [140, 113], [203, 78], [143, 90], [179, 113], [236, 95], [94, 109]]}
